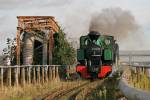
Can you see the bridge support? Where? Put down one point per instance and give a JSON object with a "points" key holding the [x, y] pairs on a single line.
{"points": [[28, 46], [45, 53]]}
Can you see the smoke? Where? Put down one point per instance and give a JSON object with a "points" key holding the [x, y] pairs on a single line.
{"points": [[114, 21]]}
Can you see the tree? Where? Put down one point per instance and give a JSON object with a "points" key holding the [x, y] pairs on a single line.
{"points": [[10, 50], [63, 52]]}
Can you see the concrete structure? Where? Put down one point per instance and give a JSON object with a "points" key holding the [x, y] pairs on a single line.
{"points": [[130, 92]]}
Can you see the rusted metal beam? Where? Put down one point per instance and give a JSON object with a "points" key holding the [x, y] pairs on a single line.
{"points": [[36, 20], [18, 46]]}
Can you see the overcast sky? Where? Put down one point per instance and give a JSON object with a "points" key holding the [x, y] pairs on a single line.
{"points": [[74, 17]]}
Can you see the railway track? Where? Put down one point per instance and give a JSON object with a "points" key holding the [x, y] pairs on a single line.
{"points": [[74, 92], [106, 89]]}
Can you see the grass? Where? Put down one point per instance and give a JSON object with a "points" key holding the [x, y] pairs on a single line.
{"points": [[141, 81], [36, 91], [28, 92], [33, 91], [107, 91]]}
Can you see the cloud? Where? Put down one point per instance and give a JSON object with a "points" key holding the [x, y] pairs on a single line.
{"points": [[16, 4], [10, 4]]}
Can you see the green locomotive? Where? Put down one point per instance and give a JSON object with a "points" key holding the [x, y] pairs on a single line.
{"points": [[97, 55]]}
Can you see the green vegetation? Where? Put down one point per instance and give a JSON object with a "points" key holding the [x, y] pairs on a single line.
{"points": [[63, 52]]}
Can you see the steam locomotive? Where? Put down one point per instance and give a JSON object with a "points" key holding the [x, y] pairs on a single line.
{"points": [[97, 56]]}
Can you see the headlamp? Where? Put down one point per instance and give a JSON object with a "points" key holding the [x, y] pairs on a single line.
{"points": [[107, 42]]}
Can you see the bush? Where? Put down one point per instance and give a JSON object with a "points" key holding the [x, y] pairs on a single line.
{"points": [[63, 52]]}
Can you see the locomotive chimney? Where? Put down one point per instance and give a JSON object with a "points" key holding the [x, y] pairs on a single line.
{"points": [[94, 35]]}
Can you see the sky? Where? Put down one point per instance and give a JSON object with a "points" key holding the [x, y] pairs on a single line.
{"points": [[74, 17]]}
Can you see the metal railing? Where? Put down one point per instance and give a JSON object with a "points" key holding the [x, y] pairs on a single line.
{"points": [[135, 59]]}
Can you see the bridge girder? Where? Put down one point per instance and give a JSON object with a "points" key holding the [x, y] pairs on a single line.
{"points": [[30, 23]]}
